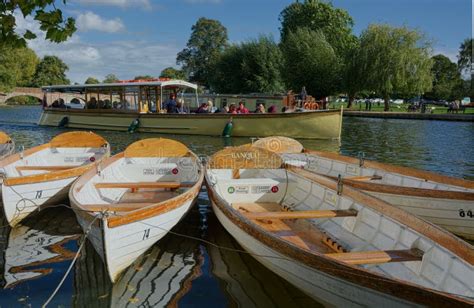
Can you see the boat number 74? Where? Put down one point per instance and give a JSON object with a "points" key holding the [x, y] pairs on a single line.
{"points": [[146, 234], [467, 213]]}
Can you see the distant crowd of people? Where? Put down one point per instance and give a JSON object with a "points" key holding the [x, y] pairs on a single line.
{"points": [[177, 106]]}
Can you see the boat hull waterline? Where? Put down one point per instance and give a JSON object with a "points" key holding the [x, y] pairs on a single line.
{"points": [[324, 124]]}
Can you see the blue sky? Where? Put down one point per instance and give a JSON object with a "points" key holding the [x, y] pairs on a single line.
{"points": [[135, 37]]}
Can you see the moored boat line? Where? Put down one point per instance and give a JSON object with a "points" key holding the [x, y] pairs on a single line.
{"points": [[350, 249], [41, 176], [445, 201]]}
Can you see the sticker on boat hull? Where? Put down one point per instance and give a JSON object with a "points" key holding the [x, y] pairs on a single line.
{"points": [[157, 171], [330, 197]]}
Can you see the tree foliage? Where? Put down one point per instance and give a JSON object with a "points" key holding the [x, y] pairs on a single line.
{"points": [[50, 18], [465, 55], [336, 24], [143, 77], [394, 60], [17, 67], [208, 39], [172, 73], [446, 79], [92, 80], [50, 71], [310, 61], [110, 78], [253, 66]]}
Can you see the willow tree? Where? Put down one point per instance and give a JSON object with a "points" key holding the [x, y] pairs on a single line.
{"points": [[394, 60], [17, 67], [310, 61], [465, 55]]}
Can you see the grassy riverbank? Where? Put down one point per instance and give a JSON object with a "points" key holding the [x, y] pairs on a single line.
{"points": [[397, 108]]}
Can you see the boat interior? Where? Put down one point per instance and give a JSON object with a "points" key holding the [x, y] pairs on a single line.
{"points": [[315, 218], [52, 159], [351, 171], [133, 183]]}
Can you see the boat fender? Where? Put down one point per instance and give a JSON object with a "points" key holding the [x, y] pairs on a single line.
{"points": [[64, 121], [134, 126], [227, 132]]}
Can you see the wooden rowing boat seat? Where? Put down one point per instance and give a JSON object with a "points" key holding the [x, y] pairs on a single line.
{"points": [[116, 207], [301, 214], [134, 186], [378, 257], [46, 168], [364, 178]]}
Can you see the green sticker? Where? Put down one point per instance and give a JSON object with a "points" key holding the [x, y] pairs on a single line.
{"points": [[230, 190]]}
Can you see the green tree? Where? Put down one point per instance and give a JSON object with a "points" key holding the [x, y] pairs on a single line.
{"points": [[253, 66], [17, 67], [446, 79], [394, 60], [110, 78], [351, 75], [143, 77], [335, 24], [49, 17], [50, 71], [465, 55], [92, 80], [310, 61], [172, 73], [208, 39]]}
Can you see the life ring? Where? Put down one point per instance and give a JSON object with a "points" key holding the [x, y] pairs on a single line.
{"points": [[307, 105], [314, 106]]}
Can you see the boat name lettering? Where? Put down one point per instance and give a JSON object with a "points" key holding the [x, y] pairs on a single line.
{"points": [[241, 189], [156, 171], [467, 213], [352, 170], [244, 155], [261, 189], [146, 234], [79, 159], [39, 193]]}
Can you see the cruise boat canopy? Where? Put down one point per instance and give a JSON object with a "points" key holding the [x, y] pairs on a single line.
{"points": [[82, 88]]}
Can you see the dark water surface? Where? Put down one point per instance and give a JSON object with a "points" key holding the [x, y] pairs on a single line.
{"points": [[179, 270]]}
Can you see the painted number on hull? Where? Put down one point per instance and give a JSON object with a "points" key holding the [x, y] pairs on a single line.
{"points": [[467, 213], [39, 193], [146, 234]]}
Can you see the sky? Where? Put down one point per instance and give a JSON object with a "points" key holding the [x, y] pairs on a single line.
{"points": [[141, 37]]}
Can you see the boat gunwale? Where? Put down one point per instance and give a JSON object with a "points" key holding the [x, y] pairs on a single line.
{"points": [[119, 112], [140, 213], [407, 171], [390, 286], [48, 176]]}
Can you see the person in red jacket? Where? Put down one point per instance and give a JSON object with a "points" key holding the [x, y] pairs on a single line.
{"points": [[242, 108]]}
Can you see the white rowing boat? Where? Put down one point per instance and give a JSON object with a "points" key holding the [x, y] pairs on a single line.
{"points": [[135, 199], [445, 201], [7, 146], [343, 247], [41, 176]]}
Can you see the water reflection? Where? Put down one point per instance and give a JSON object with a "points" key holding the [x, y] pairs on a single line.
{"points": [[182, 271]]}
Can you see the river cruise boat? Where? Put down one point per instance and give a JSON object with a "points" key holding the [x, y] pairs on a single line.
{"points": [[140, 106]]}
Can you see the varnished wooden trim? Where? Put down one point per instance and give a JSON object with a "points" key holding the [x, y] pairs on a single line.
{"points": [[426, 175], [357, 275], [78, 139], [156, 147], [136, 185], [46, 168], [409, 191], [245, 158], [377, 257], [461, 248], [300, 214]]}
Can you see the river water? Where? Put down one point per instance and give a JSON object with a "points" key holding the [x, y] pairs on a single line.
{"points": [[183, 271]]}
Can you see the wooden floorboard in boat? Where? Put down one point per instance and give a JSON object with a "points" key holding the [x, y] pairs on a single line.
{"points": [[147, 196], [300, 232]]}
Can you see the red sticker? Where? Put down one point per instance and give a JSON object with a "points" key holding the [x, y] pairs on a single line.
{"points": [[92, 159], [274, 189], [174, 171]]}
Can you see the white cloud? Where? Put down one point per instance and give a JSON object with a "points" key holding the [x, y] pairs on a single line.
{"points": [[120, 3], [126, 59], [90, 21]]}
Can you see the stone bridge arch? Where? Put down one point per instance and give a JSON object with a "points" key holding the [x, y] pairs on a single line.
{"points": [[22, 91]]}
